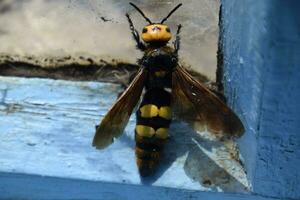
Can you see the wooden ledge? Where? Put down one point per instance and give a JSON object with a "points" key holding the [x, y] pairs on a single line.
{"points": [[46, 131]]}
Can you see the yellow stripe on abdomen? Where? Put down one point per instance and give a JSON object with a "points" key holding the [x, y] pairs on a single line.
{"points": [[144, 131], [147, 131], [165, 112], [161, 133], [151, 110]]}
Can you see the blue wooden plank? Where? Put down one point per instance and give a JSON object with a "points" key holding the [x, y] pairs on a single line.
{"points": [[21, 186], [262, 48], [47, 127]]}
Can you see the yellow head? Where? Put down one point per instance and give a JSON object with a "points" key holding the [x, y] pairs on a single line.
{"points": [[156, 33]]}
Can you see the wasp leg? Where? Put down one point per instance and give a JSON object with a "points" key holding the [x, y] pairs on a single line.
{"points": [[177, 40], [139, 44]]}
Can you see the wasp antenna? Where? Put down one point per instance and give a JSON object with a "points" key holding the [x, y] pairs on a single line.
{"points": [[141, 12], [172, 11]]}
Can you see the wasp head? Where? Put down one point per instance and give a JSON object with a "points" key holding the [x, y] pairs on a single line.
{"points": [[156, 32]]}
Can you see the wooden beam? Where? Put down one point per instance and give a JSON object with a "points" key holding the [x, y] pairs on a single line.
{"points": [[46, 131]]}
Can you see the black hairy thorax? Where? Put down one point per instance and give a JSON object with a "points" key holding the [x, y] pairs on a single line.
{"points": [[159, 62]]}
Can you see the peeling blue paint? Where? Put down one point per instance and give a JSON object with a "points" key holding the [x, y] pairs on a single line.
{"points": [[47, 128], [265, 89]]}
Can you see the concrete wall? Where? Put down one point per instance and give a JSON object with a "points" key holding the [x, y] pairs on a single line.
{"points": [[261, 45], [100, 28]]}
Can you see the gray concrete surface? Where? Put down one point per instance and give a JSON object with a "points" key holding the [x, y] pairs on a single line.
{"points": [[74, 27]]}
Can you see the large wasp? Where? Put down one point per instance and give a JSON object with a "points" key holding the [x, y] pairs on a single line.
{"points": [[169, 90]]}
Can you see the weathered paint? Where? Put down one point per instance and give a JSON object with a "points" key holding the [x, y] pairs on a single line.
{"points": [[47, 128], [261, 67], [59, 188]]}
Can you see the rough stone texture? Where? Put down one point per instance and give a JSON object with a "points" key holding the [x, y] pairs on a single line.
{"points": [[261, 65], [99, 28]]}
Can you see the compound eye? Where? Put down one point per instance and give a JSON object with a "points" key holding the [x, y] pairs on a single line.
{"points": [[145, 30], [168, 30]]}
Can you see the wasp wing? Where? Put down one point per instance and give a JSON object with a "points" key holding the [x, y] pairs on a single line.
{"points": [[195, 104], [114, 122]]}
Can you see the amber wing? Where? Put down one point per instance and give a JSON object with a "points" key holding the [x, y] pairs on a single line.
{"points": [[114, 122], [198, 106]]}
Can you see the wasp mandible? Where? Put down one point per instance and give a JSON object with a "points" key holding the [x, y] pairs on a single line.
{"points": [[169, 90]]}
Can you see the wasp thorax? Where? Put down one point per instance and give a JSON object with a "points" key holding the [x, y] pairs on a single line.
{"points": [[156, 33]]}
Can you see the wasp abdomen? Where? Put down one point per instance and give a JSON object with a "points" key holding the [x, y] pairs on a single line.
{"points": [[151, 132]]}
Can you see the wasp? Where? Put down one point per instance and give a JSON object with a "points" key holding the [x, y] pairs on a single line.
{"points": [[169, 90]]}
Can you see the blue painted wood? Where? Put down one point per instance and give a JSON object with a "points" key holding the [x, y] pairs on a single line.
{"points": [[46, 131], [43, 187], [262, 48]]}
